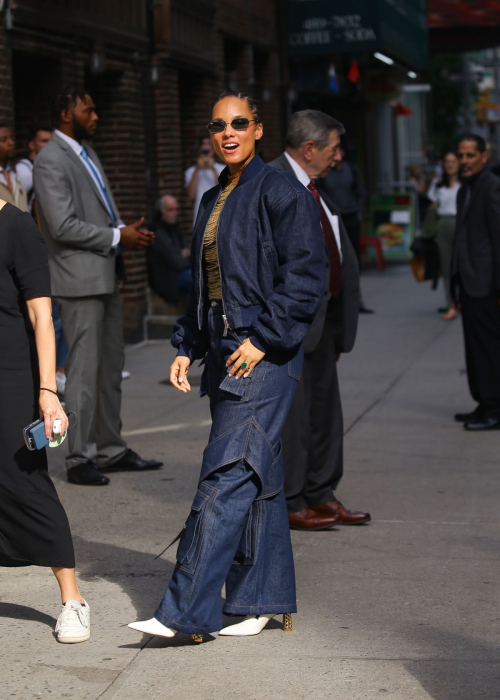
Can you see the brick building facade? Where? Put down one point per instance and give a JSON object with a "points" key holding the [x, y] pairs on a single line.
{"points": [[153, 69]]}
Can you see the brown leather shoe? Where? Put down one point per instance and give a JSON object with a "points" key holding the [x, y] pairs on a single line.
{"points": [[307, 519], [345, 517]]}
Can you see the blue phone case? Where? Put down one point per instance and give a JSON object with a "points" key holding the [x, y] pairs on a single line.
{"points": [[34, 435]]}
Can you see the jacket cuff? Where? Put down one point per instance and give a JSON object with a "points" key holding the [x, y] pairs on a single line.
{"points": [[255, 340], [184, 351]]}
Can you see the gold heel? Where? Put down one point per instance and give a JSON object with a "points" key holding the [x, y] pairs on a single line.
{"points": [[287, 622], [198, 638]]}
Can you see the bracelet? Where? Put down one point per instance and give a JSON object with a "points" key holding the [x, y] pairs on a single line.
{"points": [[42, 388]]}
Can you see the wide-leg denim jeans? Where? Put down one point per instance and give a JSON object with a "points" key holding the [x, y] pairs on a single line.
{"points": [[237, 532]]}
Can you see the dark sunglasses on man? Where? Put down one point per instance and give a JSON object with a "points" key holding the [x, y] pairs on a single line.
{"points": [[238, 124]]}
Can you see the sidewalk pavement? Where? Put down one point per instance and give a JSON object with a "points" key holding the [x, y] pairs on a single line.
{"points": [[403, 609]]}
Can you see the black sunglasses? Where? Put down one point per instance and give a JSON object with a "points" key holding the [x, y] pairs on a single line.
{"points": [[238, 124]]}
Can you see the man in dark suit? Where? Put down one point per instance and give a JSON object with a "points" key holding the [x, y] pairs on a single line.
{"points": [[313, 434], [475, 278], [84, 235]]}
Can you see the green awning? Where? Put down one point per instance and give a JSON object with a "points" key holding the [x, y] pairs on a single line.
{"points": [[394, 27]]}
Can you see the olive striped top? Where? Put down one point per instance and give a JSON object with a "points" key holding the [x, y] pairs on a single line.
{"points": [[210, 257]]}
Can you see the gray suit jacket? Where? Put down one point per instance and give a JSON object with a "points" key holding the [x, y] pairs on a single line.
{"points": [[75, 222], [344, 311]]}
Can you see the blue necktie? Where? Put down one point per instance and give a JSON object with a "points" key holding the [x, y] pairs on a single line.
{"points": [[119, 263], [102, 189]]}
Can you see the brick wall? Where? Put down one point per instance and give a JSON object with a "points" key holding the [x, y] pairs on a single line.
{"points": [[120, 143], [6, 93]]}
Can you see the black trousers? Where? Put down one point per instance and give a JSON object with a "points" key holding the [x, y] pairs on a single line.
{"points": [[313, 435], [481, 324]]}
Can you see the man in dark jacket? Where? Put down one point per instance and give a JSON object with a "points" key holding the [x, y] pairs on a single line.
{"points": [[344, 186], [475, 279], [313, 434], [168, 258]]}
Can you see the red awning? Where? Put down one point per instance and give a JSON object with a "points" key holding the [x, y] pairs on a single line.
{"points": [[455, 13]]}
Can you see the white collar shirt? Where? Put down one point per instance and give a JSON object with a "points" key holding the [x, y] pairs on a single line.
{"points": [[304, 179]]}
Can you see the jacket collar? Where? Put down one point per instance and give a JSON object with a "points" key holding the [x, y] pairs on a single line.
{"points": [[252, 169]]}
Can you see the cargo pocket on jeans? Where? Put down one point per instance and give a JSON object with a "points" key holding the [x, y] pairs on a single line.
{"points": [[237, 388], [192, 539], [245, 554]]}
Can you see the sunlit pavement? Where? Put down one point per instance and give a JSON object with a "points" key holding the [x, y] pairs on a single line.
{"points": [[403, 609]]}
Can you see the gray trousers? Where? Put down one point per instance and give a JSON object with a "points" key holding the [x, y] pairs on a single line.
{"points": [[445, 233], [93, 330], [313, 436]]}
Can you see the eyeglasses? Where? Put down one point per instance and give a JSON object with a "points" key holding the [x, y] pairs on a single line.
{"points": [[238, 124]]}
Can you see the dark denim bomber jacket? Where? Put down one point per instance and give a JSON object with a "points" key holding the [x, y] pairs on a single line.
{"points": [[271, 258]]}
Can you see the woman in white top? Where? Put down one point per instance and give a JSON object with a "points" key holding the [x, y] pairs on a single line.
{"points": [[444, 194]]}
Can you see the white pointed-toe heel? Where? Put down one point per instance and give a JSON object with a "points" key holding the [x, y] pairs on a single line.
{"points": [[153, 627], [254, 624]]}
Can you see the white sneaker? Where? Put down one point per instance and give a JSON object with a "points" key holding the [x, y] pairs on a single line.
{"points": [[73, 625], [125, 374], [61, 382], [153, 627]]}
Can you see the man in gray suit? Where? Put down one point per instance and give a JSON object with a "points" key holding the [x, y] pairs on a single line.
{"points": [[84, 234], [313, 433]]}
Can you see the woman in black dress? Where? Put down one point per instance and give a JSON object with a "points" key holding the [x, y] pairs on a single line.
{"points": [[34, 529]]}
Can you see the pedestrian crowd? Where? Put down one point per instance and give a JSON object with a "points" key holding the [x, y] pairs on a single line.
{"points": [[273, 298]]}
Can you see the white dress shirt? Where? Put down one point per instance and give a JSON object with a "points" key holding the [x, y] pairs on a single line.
{"points": [[78, 148], [24, 171], [304, 179]]}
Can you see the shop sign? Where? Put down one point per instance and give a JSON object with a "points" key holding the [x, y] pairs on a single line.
{"points": [[318, 27], [349, 26]]}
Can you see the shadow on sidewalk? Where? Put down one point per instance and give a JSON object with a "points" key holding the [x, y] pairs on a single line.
{"points": [[468, 668], [140, 576], [23, 612]]}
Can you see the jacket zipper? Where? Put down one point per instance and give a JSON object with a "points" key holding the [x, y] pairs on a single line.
{"points": [[200, 271], [227, 327], [224, 316]]}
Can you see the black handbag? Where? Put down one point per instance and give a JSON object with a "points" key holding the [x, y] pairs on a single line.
{"points": [[426, 264]]}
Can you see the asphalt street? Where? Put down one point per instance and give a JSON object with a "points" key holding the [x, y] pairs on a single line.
{"points": [[405, 608]]}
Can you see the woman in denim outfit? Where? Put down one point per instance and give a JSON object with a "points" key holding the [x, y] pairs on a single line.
{"points": [[259, 276]]}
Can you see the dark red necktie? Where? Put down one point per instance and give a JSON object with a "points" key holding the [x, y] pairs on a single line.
{"points": [[331, 245]]}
